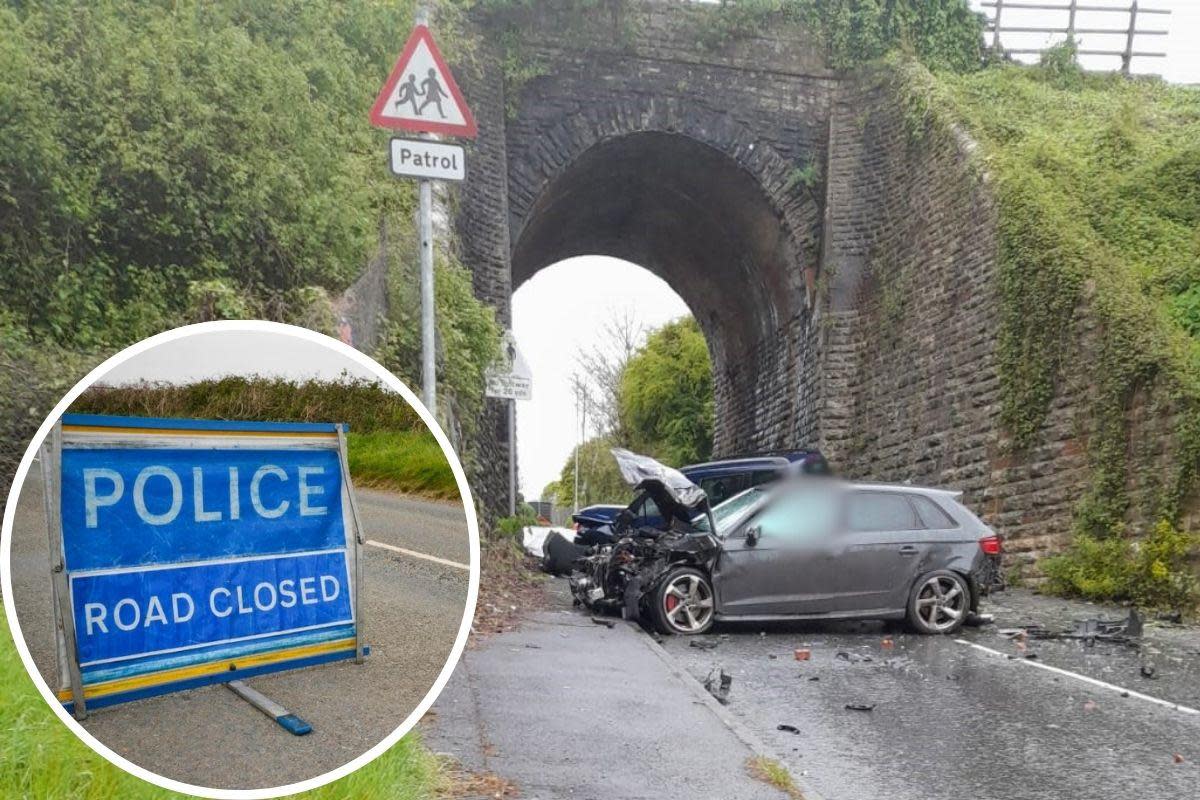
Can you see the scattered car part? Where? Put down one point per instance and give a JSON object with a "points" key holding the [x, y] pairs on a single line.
{"points": [[718, 684], [788, 728], [860, 706]]}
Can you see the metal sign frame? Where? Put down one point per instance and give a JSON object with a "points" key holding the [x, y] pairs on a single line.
{"points": [[80, 696]]}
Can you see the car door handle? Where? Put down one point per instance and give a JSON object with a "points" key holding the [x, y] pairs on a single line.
{"points": [[908, 550]]}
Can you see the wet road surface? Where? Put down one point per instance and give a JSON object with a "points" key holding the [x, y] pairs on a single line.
{"points": [[412, 609], [952, 721]]}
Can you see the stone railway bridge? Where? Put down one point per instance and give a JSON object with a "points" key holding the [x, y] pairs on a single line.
{"points": [[844, 278]]}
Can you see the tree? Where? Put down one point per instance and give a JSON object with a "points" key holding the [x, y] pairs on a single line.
{"points": [[598, 377], [666, 396], [599, 479]]}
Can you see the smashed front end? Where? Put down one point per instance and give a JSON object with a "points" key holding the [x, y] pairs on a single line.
{"points": [[619, 576]]}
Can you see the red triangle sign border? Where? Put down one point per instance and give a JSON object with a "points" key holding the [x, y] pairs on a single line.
{"points": [[468, 130]]}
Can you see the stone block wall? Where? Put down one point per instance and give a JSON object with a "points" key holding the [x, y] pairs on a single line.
{"points": [[911, 388]]}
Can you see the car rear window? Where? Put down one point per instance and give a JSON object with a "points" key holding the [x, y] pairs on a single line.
{"points": [[880, 511], [932, 515]]}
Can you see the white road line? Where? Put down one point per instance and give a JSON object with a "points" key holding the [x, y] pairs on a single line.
{"points": [[414, 554], [1112, 686]]}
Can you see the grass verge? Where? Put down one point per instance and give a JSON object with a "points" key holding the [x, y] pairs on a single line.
{"points": [[772, 773], [404, 461], [40, 758]]}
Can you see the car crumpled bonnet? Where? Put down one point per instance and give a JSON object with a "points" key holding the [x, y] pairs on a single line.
{"points": [[675, 495]]}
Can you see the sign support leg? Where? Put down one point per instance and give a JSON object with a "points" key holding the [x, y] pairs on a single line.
{"points": [[512, 458], [287, 720], [52, 488], [428, 336], [358, 542]]}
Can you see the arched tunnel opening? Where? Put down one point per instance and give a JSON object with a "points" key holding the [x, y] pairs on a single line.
{"points": [[691, 215]]}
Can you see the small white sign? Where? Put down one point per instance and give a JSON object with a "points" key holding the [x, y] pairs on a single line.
{"points": [[421, 159], [507, 386], [509, 378]]}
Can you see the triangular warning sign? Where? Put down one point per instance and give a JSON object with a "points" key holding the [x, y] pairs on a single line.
{"points": [[421, 95]]}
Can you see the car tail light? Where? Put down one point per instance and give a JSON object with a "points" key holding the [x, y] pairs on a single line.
{"points": [[990, 545]]}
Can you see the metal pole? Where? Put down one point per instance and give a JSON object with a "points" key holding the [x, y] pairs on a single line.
{"points": [[578, 441], [425, 233], [359, 538], [996, 25], [52, 487], [512, 458], [428, 333], [1071, 20], [1127, 56]]}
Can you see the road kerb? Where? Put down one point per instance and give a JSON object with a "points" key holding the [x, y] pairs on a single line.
{"points": [[747, 737]]}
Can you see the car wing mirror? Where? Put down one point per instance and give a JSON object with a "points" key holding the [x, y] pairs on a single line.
{"points": [[752, 535]]}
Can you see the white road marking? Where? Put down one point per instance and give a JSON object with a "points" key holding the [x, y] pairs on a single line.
{"points": [[1112, 686], [414, 554]]}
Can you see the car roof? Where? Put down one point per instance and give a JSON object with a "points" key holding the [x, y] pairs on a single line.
{"points": [[748, 463], [903, 487]]}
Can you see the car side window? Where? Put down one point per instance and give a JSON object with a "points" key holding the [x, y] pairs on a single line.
{"points": [[761, 476], [647, 510], [721, 489], [932, 515], [880, 511], [796, 516]]}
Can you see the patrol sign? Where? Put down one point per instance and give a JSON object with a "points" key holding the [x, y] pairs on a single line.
{"points": [[189, 552]]}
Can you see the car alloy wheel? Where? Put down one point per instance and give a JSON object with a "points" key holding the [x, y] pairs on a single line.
{"points": [[942, 603], [687, 603]]}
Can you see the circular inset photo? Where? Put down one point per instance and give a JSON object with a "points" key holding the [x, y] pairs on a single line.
{"points": [[240, 559]]}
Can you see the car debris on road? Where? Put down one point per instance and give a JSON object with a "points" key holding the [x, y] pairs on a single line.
{"points": [[718, 684], [1127, 631]]}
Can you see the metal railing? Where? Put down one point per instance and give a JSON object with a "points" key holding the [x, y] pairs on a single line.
{"points": [[996, 27]]}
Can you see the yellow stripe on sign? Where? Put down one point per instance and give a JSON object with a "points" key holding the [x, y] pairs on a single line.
{"points": [[191, 432], [199, 670]]}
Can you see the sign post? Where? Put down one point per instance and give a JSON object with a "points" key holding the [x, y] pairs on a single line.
{"points": [[421, 95], [192, 552], [510, 379]]}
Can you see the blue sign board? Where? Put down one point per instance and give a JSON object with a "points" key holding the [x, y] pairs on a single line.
{"points": [[199, 551]]}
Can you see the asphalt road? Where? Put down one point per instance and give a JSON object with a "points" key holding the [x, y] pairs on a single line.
{"points": [[953, 721], [412, 609]]}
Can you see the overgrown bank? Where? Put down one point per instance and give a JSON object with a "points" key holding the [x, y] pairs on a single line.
{"points": [[209, 161], [1097, 183], [388, 445]]}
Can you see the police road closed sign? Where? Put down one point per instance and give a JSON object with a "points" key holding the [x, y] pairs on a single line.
{"points": [[199, 551], [434, 160]]}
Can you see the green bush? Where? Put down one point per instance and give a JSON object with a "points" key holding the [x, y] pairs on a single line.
{"points": [[666, 395], [1156, 572], [513, 526], [157, 155]]}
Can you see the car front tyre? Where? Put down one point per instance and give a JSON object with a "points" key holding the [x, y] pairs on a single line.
{"points": [[683, 603], [939, 603]]}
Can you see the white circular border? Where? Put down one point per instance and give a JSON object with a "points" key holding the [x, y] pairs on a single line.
{"points": [[392, 382]]}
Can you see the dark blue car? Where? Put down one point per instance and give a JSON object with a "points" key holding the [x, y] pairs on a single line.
{"points": [[720, 480]]}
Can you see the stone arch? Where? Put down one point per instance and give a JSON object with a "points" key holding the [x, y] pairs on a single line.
{"points": [[692, 196]]}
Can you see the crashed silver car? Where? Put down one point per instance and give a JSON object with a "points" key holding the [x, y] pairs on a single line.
{"points": [[803, 549]]}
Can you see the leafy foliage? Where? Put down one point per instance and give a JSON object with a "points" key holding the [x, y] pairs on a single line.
{"points": [[599, 479], [667, 395], [1154, 573], [468, 337], [159, 155], [944, 34]]}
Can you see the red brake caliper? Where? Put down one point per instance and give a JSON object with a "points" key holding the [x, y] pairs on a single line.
{"points": [[671, 602]]}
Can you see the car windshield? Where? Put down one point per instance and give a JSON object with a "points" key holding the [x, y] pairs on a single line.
{"points": [[725, 512]]}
